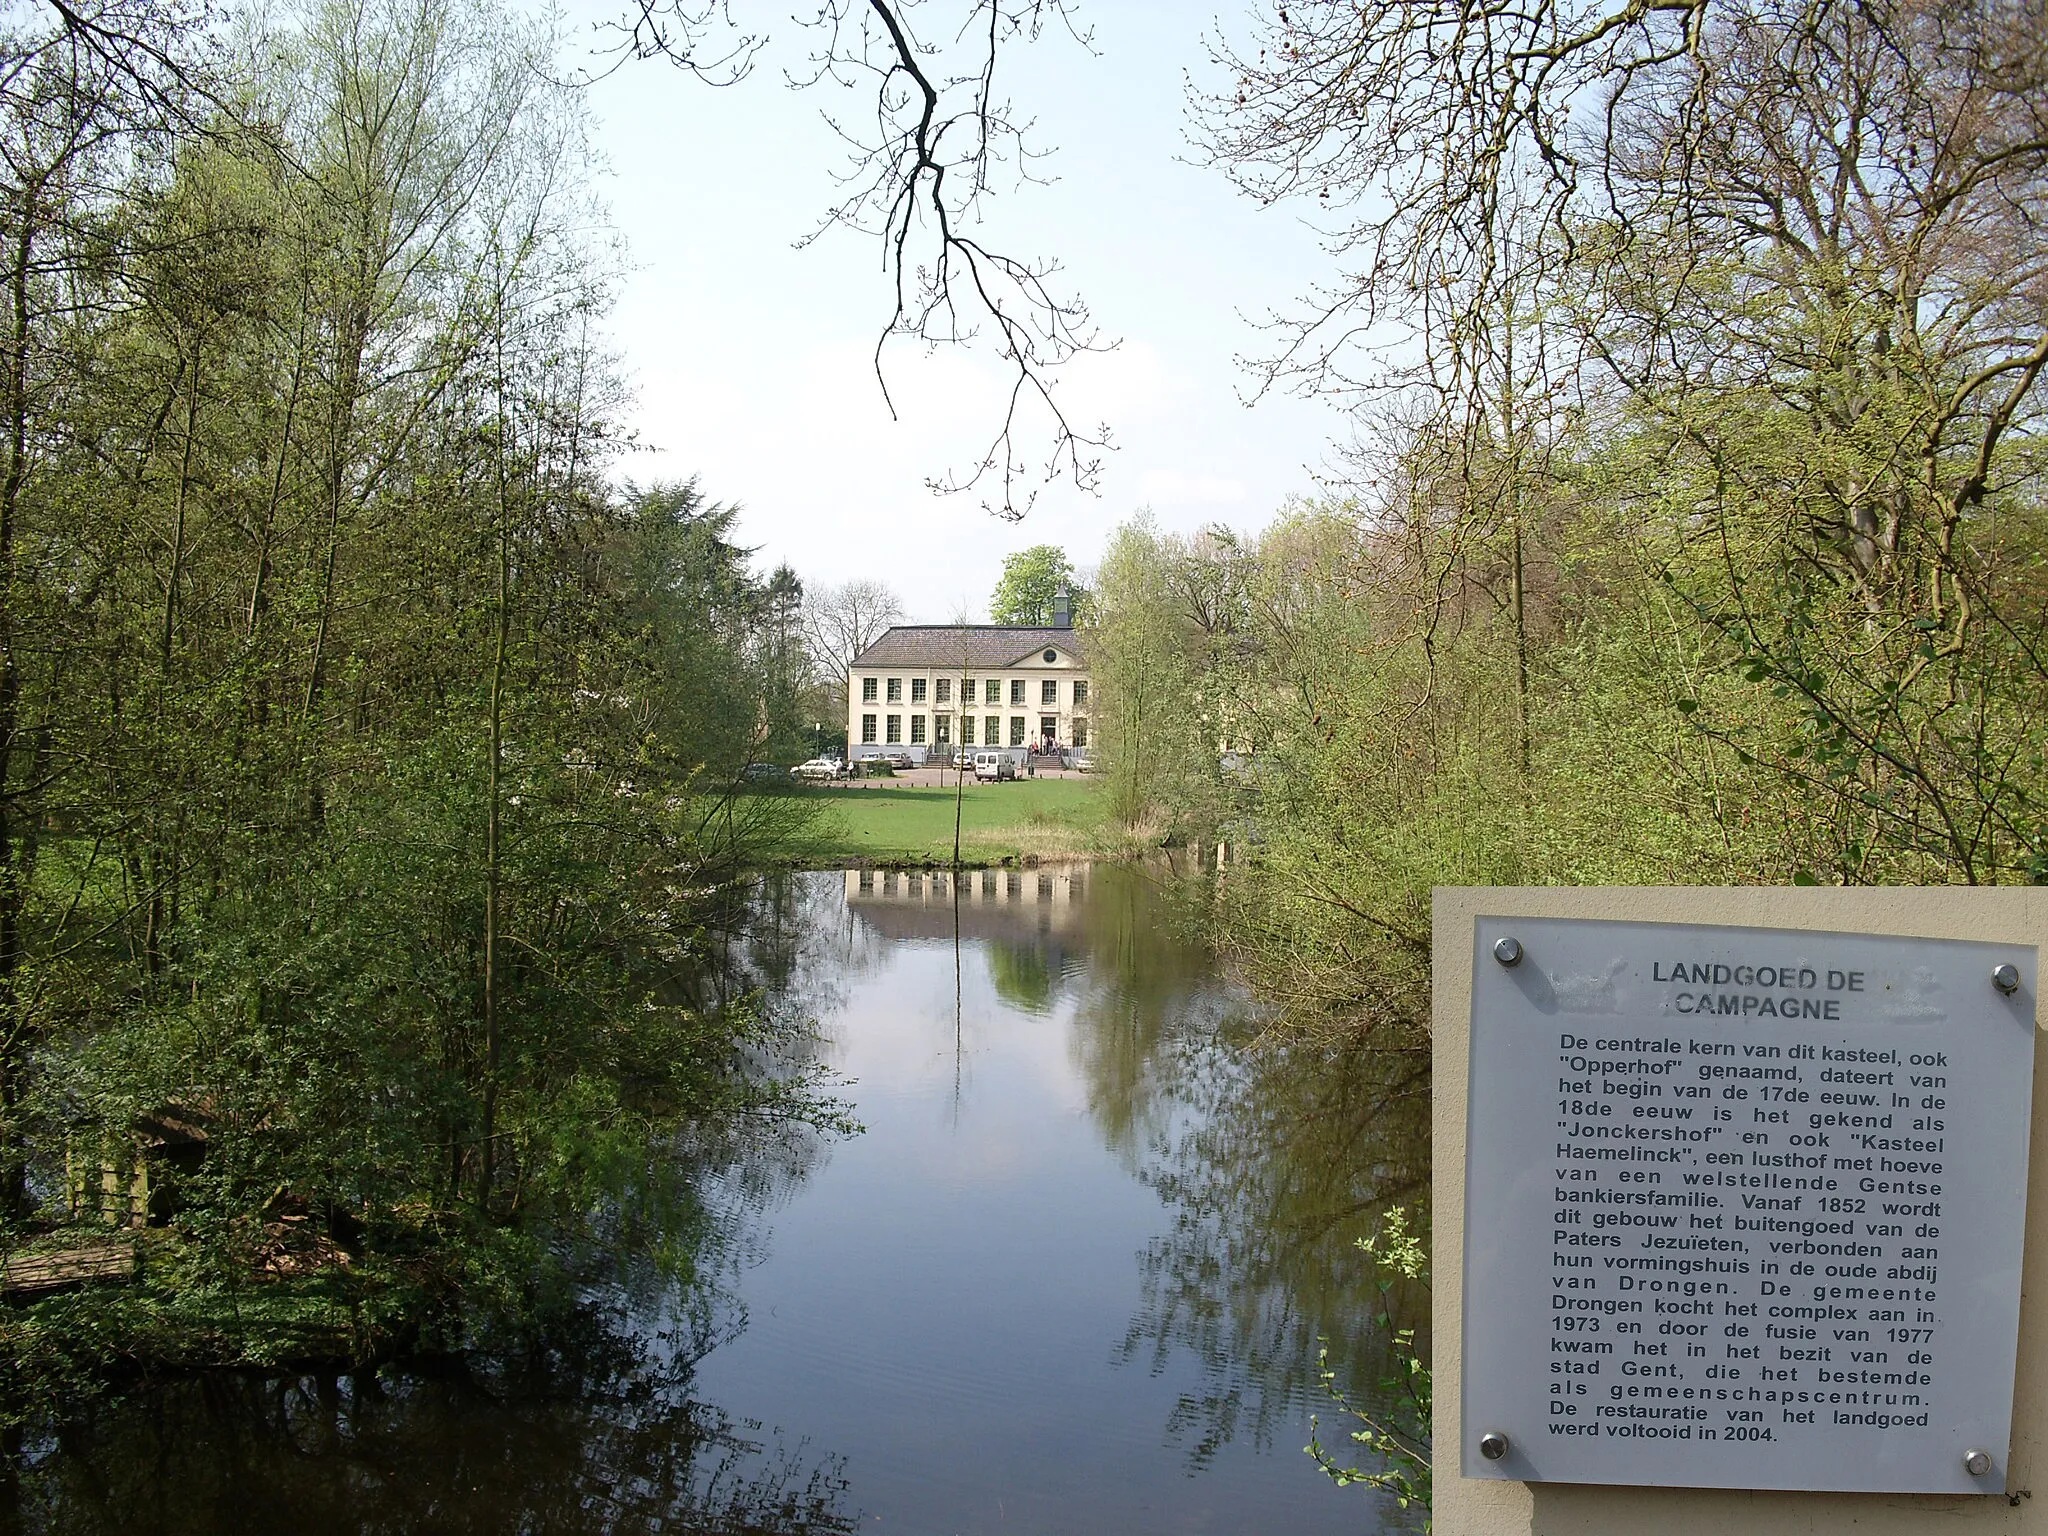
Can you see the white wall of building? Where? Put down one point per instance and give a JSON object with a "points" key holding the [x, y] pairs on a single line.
{"points": [[924, 719]]}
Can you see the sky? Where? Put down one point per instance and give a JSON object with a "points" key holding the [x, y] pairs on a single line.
{"points": [[751, 359]]}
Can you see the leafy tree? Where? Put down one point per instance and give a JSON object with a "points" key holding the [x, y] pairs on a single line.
{"points": [[365, 755], [1143, 668], [1032, 581], [1831, 402]]}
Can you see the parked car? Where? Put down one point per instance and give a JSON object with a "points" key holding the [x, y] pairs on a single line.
{"points": [[994, 766], [1083, 760], [759, 771], [820, 768], [897, 759]]}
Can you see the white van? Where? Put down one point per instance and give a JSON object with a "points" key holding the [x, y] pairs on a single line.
{"points": [[994, 765]]}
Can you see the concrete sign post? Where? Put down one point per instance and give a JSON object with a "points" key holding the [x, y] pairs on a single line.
{"points": [[1741, 1203]]}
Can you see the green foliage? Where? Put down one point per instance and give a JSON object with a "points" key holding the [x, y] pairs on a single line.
{"points": [[1768, 468], [1156, 718], [717, 656], [1622, 689], [1031, 582], [1021, 976], [1396, 1438], [367, 761]]}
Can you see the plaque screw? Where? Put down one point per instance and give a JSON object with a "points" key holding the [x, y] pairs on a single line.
{"points": [[2006, 977], [1493, 1444], [1976, 1463], [1509, 952]]}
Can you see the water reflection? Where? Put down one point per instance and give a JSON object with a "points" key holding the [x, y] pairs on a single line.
{"points": [[1072, 1277], [1278, 1158], [403, 1452], [1270, 1155]]}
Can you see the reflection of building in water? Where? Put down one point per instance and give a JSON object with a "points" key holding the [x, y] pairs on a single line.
{"points": [[905, 902], [1061, 886]]}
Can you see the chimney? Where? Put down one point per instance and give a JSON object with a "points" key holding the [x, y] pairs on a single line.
{"points": [[1062, 609]]}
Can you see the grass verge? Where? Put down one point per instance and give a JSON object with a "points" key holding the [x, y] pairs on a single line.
{"points": [[889, 823]]}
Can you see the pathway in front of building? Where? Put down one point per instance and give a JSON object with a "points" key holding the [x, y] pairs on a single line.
{"points": [[939, 777]]}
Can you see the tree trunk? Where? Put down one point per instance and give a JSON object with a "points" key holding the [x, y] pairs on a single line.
{"points": [[15, 1037], [179, 507], [493, 819]]}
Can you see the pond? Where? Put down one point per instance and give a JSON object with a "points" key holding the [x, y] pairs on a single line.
{"points": [[1071, 1276]]}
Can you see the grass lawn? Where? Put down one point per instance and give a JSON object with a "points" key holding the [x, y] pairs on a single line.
{"points": [[1025, 816]]}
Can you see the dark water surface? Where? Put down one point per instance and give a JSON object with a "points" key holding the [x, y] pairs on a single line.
{"points": [[1071, 1278]]}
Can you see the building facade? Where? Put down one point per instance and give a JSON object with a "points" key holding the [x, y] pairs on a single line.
{"points": [[927, 689]]}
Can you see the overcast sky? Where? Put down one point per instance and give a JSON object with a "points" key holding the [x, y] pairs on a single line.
{"points": [[751, 359]]}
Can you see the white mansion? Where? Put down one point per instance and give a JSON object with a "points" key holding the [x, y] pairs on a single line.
{"points": [[927, 688]]}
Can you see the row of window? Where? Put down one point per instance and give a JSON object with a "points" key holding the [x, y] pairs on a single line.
{"points": [[991, 730], [942, 690]]}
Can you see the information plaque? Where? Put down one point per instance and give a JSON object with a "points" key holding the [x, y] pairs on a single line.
{"points": [[1743, 1207]]}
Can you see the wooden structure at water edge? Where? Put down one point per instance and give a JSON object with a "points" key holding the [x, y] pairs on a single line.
{"points": [[54, 1269]]}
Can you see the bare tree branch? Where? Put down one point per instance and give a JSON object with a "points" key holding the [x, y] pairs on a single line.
{"points": [[943, 141]]}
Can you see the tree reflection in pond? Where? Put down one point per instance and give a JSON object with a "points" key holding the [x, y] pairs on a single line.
{"points": [[1279, 1157], [589, 1430], [1022, 974], [585, 1424], [401, 1452], [1272, 1153], [1030, 1043], [1152, 983]]}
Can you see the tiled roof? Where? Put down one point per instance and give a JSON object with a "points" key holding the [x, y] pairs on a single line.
{"points": [[969, 645]]}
